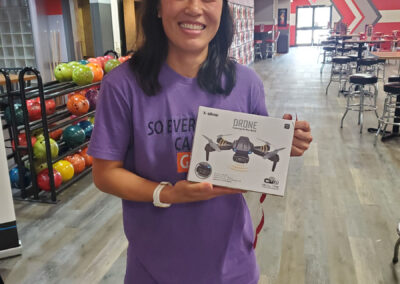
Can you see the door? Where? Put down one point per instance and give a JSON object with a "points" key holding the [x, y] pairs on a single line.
{"points": [[312, 24]]}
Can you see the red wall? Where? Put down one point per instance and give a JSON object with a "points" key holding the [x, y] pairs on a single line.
{"points": [[348, 16]]}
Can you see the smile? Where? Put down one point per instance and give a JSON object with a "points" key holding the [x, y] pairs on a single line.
{"points": [[197, 27]]}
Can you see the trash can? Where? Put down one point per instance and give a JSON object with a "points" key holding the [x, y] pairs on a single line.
{"points": [[283, 44]]}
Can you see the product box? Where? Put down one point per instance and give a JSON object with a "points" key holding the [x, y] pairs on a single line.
{"points": [[239, 150]]}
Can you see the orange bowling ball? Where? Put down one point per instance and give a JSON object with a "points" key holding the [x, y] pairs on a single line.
{"points": [[78, 105], [77, 161], [97, 71], [86, 156]]}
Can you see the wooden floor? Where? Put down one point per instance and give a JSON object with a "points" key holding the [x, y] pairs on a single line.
{"points": [[336, 224]]}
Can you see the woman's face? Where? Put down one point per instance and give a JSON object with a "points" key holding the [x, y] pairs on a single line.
{"points": [[190, 25]]}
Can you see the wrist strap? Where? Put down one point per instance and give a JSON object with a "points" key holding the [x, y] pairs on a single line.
{"points": [[156, 195]]}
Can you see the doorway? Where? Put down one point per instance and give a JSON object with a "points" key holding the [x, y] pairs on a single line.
{"points": [[312, 24]]}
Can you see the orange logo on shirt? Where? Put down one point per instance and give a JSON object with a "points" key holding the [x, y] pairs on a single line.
{"points": [[183, 161]]}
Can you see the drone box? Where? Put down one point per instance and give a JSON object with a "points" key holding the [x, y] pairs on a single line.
{"points": [[239, 150]]}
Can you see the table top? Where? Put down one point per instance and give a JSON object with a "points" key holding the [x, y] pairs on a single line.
{"points": [[14, 78], [368, 41], [387, 54]]}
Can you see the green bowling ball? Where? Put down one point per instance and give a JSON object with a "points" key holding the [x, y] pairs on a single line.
{"points": [[73, 136], [18, 114], [39, 149]]}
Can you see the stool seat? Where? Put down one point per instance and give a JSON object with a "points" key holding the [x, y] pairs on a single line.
{"points": [[341, 49], [381, 60], [368, 61], [329, 48], [363, 79], [341, 59], [393, 88], [328, 42], [394, 78]]}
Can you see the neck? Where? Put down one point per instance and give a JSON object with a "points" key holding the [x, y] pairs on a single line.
{"points": [[186, 64]]}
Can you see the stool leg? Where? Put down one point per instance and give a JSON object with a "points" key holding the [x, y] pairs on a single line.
{"points": [[361, 112], [396, 252], [347, 108], [375, 98], [340, 79]]}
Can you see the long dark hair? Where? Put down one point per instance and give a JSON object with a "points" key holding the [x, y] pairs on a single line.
{"points": [[149, 58]]}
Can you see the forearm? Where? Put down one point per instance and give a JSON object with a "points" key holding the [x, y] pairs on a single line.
{"points": [[125, 184]]}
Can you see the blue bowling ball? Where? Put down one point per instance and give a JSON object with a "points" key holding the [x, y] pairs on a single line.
{"points": [[14, 177], [87, 127]]}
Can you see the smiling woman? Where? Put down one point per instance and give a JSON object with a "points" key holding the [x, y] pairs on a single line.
{"points": [[178, 232]]}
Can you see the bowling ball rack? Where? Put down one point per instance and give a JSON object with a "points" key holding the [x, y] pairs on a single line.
{"points": [[44, 91]]}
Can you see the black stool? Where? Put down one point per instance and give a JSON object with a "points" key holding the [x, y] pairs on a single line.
{"points": [[357, 89], [328, 52], [340, 72], [391, 107], [368, 65]]}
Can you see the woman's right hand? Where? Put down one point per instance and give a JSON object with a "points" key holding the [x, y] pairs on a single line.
{"points": [[185, 191]]}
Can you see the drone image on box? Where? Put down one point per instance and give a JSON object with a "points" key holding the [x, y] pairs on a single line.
{"points": [[242, 148]]}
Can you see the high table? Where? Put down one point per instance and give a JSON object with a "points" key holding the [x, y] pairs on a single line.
{"points": [[395, 130], [361, 43], [14, 78]]}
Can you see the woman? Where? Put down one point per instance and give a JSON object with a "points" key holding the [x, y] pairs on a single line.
{"points": [[143, 134]]}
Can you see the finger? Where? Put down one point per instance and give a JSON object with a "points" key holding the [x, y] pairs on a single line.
{"points": [[301, 144], [304, 125], [225, 190], [295, 152], [301, 135], [287, 116]]}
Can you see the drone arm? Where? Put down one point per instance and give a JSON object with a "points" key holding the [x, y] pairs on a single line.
{"points": [[208, 149], [258, 151], [226, 147]]}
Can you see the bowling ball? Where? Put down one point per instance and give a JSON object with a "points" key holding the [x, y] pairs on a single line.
{"points": [[92, 96], [83, 62], [56, 134], [94, 60], [39, 166], [111, 64], [73, 65], [74, 136], [43, 179], [14, 178], [65, 168], [78, 105], [50, 106], [82, 75], [19, 116], [63, 72], [102, 61], [86, 156], [77, 161], [34, 111], [98, 72], [87, 127], [122, 59], [22, 142], [39, 150], [91, 119]]}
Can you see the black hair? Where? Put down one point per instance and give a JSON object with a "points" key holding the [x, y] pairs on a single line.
{"points": [[149, 58]]}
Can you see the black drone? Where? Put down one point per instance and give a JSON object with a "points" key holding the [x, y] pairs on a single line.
{"points": [[242, 148]]}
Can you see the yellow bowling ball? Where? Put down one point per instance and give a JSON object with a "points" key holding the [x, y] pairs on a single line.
{"points": [[91, 119], [65, 168]]}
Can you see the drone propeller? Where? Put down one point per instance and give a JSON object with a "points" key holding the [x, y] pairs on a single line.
{"points": [[223, 135], [212, 144], [266, 142], [272, 153]]}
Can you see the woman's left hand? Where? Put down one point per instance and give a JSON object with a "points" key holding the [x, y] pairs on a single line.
{"points": [[302, 136]]}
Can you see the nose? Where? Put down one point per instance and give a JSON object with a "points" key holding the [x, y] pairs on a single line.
{"points": [[193, 7]]}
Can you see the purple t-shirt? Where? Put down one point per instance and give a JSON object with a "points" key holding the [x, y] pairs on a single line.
{"points": [[198, 242]]}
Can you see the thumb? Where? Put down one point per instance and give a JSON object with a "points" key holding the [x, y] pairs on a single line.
{"points": [[287, 116], [203, 185]]}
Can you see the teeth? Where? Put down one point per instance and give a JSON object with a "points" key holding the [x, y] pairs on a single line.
{"points": [[192, 26]]}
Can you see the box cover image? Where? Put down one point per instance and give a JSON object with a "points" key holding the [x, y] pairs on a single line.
{"points": [[240, 150]]}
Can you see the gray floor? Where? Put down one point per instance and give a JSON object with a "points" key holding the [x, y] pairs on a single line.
{"points": [[336, 224]]}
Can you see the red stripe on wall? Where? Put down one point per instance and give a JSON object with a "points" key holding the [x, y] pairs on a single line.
{"points": [[387, 4], [345, 11], [292, 35], [296, 3], [53, 7], [386, 28], [362, 16]]}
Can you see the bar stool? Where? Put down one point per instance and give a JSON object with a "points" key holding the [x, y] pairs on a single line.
{"points": [[368, 65], [358, 83], [328, 52], [257, 48], [390, 107], [396, 247], [340, 72]]}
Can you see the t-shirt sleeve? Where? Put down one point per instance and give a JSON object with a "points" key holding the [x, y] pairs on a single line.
{"points": [[113, 123], [258, 99]]}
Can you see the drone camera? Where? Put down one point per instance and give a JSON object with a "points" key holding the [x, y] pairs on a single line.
{"points": [[241, 158]]}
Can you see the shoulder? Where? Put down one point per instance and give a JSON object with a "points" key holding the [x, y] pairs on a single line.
{"points": [[247, 75]]}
